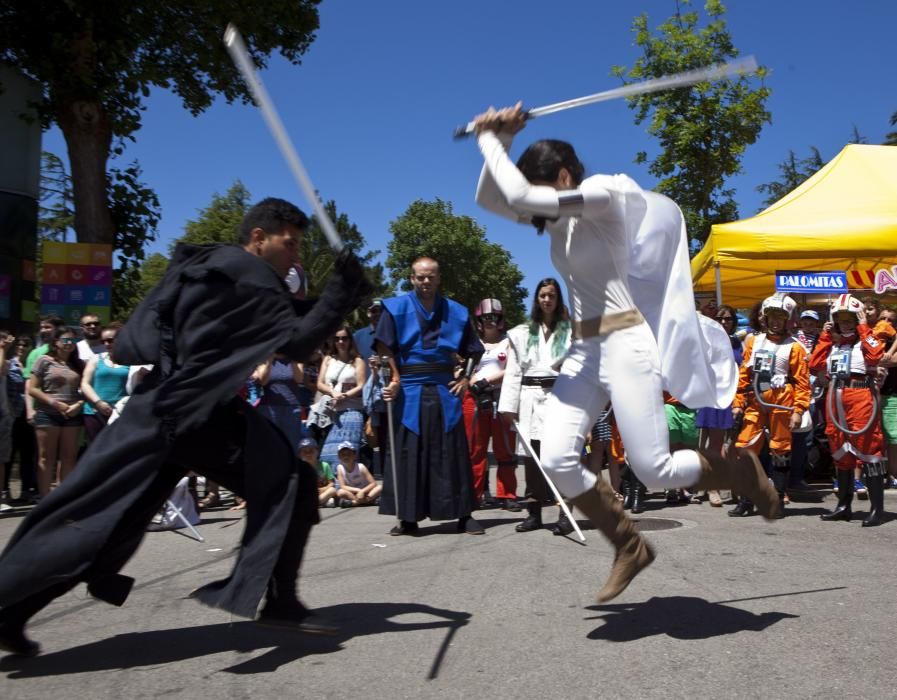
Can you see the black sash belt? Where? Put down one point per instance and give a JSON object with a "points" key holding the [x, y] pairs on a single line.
{"points": [[544, 382], [426, 368]]}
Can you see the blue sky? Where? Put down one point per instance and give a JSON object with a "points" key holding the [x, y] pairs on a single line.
{"points": [[372, 106]]}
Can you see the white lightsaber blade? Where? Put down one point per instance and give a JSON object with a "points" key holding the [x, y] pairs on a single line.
{"points": [[240, 55], [557, 494], [741, 66]]}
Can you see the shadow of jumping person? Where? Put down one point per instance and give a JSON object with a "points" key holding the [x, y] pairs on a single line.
{"points": [[157, 647], [680, 617]]}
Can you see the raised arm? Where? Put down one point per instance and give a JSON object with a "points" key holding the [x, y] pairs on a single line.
{"points": [[504, 190]]}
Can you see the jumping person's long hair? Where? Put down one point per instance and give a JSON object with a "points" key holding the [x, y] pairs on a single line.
{"points": [[542, 162]]}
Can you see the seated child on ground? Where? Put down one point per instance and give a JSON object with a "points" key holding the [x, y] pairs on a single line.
{"points": [[308, 452], [356, 485]]}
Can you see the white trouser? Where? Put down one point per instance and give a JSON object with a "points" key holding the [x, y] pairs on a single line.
{"points": [[623, 368]]}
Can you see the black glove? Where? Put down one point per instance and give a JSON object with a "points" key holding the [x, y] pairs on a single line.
{"points": [[352, 274]]}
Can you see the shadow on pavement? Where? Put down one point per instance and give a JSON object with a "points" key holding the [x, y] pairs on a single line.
{"points": [[138, 649], [680, 617]]}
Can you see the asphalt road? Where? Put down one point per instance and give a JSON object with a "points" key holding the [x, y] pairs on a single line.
{"points": [[731, 608]]}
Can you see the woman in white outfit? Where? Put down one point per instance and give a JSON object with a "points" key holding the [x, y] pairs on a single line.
{"points": [[615, 244], [537, 350]]}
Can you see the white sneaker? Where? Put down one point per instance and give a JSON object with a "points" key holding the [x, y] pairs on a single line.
{"points": [[331, 503], [5, 507]]}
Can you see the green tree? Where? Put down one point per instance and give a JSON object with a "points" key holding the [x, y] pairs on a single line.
{"points": [[220, 221], [703, 130], [471, 267], [891, 137], [56, 214], [97, 61], [794, 171]]}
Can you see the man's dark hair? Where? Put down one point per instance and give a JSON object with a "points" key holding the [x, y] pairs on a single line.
{"points": [[53, 319], [270, 215], [871, 301]]}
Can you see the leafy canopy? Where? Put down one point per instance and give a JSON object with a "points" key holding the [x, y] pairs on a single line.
{"points": [[471, 267], [702, 130]]}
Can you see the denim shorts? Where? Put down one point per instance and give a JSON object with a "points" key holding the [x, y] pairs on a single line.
{"points": [[54, 419]]}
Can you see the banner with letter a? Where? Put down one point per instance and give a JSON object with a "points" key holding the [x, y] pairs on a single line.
{"points": [[76, 279]]}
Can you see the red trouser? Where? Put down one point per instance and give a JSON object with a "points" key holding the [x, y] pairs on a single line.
{"points": [[857, 411], [478, 434]]}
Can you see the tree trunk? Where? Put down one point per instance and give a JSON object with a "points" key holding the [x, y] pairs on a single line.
{"points": [[88, 135]]}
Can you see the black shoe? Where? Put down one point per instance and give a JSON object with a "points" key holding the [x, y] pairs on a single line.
{"points": [[404, 528], [470, 526], [512, 505], [638, 499], [742, 509], [14, 641], [533, 521], [841, 512], [296, 616], [876, 487], [562, 527], [845, 497]]}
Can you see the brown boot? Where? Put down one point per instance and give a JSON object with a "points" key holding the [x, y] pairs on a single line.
{"points": [[741, 472], [633, 552]]}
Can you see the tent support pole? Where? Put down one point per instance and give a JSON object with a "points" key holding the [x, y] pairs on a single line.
{"points": [[719, 286]]}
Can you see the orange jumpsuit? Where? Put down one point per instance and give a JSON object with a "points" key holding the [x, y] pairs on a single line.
{"points": [[864, 351], [790, 364]]}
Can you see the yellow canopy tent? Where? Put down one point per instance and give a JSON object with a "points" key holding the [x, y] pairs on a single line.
{"points": [[842, 218]]}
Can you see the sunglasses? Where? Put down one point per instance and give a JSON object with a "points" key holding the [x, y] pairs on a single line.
{"points": [[67, 341], [91, 323], [342, 339], [490, 317]]}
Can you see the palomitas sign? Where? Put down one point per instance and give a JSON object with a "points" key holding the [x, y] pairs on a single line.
{"points": [[808, 282]]}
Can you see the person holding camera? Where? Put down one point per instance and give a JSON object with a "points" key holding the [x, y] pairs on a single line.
{"points": [[481, 419]]}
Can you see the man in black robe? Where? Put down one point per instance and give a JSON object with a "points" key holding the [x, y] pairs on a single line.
{"points": [[217, 313]]}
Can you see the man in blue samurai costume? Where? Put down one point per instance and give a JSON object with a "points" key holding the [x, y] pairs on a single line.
{"points": [[218, 311], [422, 333]]}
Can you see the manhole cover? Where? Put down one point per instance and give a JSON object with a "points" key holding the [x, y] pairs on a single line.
{"points": [[651, 524]]}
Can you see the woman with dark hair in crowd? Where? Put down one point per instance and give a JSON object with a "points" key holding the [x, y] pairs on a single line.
{"points": [[341, 381], [537, 348], [54, 385], [623, 254], [103, 384], [714, 423]]}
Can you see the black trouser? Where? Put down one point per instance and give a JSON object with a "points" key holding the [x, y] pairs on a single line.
{"points": [[536, 486], [23, 442], [236, 447]]}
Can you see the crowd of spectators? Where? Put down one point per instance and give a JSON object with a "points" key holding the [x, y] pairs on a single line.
{"points": [[56, 397]]}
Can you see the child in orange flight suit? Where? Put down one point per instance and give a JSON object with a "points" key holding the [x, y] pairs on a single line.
{"points": [[847, 355], [773, 393]]}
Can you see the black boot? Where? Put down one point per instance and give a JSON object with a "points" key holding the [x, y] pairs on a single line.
{"points": [[628, 489], [638, 500], [562, 527], [742, 509], [876, 487], [533, 520], [780, 471], [845, 497]]}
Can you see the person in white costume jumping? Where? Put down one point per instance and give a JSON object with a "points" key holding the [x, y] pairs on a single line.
{"points": [[622, 252]]}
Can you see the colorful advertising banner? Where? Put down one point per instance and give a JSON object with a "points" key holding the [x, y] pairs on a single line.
{"points": [[76, 280]]}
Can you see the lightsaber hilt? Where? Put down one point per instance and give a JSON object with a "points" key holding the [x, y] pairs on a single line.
{"points": [[236, 47]]}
